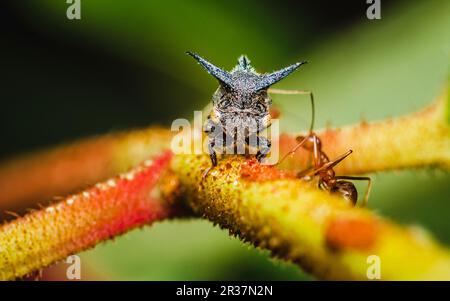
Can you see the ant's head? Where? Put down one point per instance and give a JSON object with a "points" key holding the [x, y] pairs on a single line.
{"points": [[243, 88], [347, 190]]}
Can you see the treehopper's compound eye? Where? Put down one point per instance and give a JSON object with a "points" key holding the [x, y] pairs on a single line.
{"points": [[260, 107], [224, 104]]}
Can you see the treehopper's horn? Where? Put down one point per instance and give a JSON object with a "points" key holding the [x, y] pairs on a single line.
{"points": [[223, 76], [268, 80]]}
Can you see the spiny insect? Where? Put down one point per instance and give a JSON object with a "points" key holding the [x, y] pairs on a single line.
{"points": [[322, 168], [241, 107]]}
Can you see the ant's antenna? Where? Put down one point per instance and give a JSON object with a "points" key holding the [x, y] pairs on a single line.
{"points": [[313, 113]]}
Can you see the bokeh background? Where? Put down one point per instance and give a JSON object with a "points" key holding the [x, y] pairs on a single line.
{"points": [[123, 66]]}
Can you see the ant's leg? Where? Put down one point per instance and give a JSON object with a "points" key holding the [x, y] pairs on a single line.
{"points": [[298, 92], [317, 160], [369, 186], [316, 155]]}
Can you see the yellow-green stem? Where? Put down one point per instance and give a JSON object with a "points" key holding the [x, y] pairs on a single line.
{"points": [[299, 223]]}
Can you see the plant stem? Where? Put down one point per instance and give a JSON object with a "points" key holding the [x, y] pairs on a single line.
{"points": [[38, 177], [263, 205], [298, 222], [81, 221], [416, 140]]}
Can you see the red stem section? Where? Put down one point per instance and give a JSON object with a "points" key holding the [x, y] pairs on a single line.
{"points": [[38, 177], [83, 220]]}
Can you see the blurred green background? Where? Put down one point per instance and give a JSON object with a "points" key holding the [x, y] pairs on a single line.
{"points": [[123, 66]]}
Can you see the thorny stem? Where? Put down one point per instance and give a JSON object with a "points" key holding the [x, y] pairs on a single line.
{"points": [[80, 221], [416, 140], [297, 222], [260, 204], [37, 178]]}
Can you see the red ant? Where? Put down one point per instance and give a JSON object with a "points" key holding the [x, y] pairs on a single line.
{"points": [[322, 166]]}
